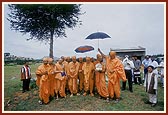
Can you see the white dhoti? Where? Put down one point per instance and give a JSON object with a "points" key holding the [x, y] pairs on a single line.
{"points": [[153, 98]]}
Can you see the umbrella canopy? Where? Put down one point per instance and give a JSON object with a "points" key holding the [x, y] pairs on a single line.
{"points": [[83, 49], [98, 35]]}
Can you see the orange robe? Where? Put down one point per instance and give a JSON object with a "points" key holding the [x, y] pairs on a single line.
{"points": [[65, 63], [43, 83], [81, 77], [73, 69], [114, 78], [51, 79], [88, 70], [100, 81], [60, 81], [42, 68]]}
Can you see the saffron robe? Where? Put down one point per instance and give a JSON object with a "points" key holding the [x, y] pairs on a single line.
{"points": [[88, 70], [65, 63], [60, 81], [51, 79], [100, 81], [81, 77], [73, 69], [43, 83], [114, 77], [41, 69]]}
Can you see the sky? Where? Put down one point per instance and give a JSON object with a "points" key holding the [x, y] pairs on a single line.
{"points": [[128, 25]]}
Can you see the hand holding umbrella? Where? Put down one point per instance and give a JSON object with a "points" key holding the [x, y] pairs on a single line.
{"points": [[101, 52]]}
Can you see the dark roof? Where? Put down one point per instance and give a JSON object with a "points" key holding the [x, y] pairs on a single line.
{"points": [[129, 49]]}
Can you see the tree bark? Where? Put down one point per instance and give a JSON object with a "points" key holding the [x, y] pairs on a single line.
{"points": [[51, 45]]}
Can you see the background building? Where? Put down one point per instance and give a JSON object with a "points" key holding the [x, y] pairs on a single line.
{"points": [[140, 52]]}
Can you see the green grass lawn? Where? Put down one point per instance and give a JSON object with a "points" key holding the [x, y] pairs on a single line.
{"points": [[15, 100]]}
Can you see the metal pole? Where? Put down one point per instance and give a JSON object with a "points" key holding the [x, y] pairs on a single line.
{"points": [[98, 43]]}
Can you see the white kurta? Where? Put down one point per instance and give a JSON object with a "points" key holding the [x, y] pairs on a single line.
{"points": [[155, 65], [162, 72], [152, 97]]}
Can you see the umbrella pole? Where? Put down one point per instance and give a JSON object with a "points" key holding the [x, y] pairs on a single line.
{"points": [[98, 43]]}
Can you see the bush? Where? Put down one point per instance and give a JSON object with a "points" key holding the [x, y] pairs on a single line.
{"points": [[33, 83]]}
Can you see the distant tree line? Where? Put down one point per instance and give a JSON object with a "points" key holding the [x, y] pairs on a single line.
{"points": [[21, 62]]}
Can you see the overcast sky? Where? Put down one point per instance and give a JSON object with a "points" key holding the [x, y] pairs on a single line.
{"points": [[129, 25]]}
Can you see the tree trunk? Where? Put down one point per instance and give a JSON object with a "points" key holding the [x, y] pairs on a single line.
{"points": [[51, 45]]}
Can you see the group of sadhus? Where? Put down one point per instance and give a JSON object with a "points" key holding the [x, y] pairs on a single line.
{"points": [[54, 80]]}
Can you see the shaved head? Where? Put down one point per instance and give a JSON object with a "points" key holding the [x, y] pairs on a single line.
{"points": [[80, 59], [50, 61], [45, 60], [88, 59], [112, 54], [74, 59]]}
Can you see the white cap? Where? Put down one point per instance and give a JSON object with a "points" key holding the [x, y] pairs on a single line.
{"points": [[126, 56]]}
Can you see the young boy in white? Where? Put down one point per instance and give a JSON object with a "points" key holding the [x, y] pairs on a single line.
{"points": [[151, 84]]}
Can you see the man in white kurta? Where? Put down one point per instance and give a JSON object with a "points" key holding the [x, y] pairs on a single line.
{"points": [[161, 66], [155, 65], [151, 84]]}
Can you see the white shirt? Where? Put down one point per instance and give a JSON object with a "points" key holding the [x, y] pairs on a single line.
{"points": [[161, 65], [128, 64], [155, 64]]}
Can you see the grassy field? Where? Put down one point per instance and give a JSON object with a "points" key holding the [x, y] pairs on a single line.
{"points": [[15, 100]]}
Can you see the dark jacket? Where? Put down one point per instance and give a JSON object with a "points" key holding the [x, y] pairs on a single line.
{"points": [[151, 89]]}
